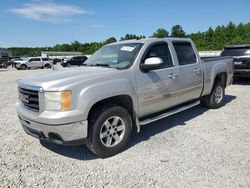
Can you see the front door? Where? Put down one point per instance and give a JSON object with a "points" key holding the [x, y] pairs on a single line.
{"points": [[158, 89]]}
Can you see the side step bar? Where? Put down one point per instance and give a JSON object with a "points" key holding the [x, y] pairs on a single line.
{"points": [[169, 113]]}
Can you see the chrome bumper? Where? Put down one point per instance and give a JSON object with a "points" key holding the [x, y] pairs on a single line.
{"points": [[66, 134]]}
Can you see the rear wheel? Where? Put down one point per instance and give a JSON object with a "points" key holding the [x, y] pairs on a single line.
{"points": [[23, 67], [216, 98], [47, 66], [110, 130]]}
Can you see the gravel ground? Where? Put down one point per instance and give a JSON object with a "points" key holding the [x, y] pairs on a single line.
{"points": [[195, 148]]}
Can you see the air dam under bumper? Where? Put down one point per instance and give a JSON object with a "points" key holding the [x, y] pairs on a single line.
{"points": [[67, 134]]}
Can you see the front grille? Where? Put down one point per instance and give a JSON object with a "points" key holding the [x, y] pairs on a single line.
{"points": [[29, 98], [245, 63]]}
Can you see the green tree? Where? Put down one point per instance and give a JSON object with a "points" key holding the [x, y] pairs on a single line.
{"points": [[75, 46], [219, 39], [247, 33], [160, 33], [212, 39], [110, 40], [209, 34], [132, 36], [230, 32], [177, 31]]}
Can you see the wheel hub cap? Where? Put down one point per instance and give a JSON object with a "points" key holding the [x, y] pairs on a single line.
{"points": [[218, 94], [112, 131]]}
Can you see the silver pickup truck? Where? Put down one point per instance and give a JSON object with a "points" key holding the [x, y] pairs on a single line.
{"points": [[123, 86], [33, 62]]}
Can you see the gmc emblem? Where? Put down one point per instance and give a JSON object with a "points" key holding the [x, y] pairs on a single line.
{"points": [[24, 98]]}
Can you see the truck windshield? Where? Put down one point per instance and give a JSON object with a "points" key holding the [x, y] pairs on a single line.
{"points": [[119, 56], [235, 51]]}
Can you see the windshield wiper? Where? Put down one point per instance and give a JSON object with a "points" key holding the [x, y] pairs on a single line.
{"points": [[100, 65]]}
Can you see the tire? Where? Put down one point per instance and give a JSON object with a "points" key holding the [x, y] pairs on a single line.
{"points": [[23, 67], [216, 98], [110, 128], [47, 66]]}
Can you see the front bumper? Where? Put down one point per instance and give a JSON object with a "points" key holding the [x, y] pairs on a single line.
{"points": [[242, 73], [73, 133]]}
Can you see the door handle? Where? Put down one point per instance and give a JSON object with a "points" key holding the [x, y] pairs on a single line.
{"points": [[197, 71], [172, 76]]}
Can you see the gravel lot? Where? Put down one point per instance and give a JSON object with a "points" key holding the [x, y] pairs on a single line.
{"points": [[195, 148]]}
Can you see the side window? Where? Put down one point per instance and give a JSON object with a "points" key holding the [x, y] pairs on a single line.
{"points": [[161, 51], [45, 59], [34, 59], [185, 53]]}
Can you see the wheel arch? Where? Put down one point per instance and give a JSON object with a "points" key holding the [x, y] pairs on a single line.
{"points": [[219, 73], [123, 100], [46, 64], [221, 77], [23, 64]]}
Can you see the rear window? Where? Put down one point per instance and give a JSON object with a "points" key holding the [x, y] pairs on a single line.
{"points": [[185, 53], [235, 51]]}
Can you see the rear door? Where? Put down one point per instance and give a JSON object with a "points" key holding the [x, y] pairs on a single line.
{"points": [[191, 70], [158, 89], [45, 61]]}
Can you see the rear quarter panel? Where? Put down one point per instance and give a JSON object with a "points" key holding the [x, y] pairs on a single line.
{"points": [[214, 67]]}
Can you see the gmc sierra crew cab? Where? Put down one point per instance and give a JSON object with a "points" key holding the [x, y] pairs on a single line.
{"points": [[122, 87]]}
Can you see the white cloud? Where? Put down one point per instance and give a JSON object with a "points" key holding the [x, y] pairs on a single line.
{"points": [[49, 12]]}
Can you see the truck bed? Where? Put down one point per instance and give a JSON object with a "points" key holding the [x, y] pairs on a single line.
{"points": [[207, 59]]}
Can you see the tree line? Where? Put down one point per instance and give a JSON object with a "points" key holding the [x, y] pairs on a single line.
{"points": [[212, 39]]}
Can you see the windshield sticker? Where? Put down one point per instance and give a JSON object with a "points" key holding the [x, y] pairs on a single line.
{"points": [[127, 48]]}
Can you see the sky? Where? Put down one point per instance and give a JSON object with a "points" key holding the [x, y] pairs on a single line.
{"points": [[44, 23]]}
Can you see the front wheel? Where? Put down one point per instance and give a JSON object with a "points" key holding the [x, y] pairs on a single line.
{"points": [[23, 67], [216, 98], [110, 130]]}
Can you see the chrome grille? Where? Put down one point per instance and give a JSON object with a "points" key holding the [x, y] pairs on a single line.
{"points": [[29, 98]]}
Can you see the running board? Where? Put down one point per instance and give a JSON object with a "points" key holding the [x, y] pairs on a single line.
{"points": [[166, 114]]}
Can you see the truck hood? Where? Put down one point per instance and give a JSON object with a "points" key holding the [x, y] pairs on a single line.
{"points": [[20, 61], [64, 78]]}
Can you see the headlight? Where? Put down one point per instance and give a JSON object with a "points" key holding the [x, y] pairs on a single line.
{"points": [[58, 101]]}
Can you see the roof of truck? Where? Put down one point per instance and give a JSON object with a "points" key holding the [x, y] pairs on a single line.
{"points": [[152, 39], [238, 46]]}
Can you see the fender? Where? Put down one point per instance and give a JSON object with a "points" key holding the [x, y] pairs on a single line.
{"points": [[103, 90]]}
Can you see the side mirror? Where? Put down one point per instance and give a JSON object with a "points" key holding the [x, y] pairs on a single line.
{"points": [[151, 63]]}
